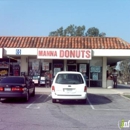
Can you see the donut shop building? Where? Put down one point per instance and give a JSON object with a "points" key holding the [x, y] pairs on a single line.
{"points": [[36, 55]]}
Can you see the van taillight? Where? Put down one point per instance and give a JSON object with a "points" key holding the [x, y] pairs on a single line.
{"points": [[85, 88], [1, 89], [53, 88]]}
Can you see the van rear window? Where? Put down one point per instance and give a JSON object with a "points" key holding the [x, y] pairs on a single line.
{"points": [[69, 79]]}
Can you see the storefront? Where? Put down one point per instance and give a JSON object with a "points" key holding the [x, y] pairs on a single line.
{"points": [[9, 66], [54, 54]]}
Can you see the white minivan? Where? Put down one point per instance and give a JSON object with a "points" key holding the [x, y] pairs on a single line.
{"points": [[69, 85]]}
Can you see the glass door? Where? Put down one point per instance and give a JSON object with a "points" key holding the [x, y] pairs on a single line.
{"points": [[72, 67]]}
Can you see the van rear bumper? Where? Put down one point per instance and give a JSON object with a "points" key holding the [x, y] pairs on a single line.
{"points": [[69, 96]]}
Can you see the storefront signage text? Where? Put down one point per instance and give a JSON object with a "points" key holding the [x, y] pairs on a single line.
{"points": [[64, 53]]}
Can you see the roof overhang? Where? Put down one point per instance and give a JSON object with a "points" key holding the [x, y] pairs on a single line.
{"points": [[113, 55], [111, 52]]}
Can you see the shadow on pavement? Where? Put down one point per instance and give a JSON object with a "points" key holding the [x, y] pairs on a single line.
{"points": [[95, 99], [36, 99]]}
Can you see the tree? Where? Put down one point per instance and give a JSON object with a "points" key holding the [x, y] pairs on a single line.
{"points": [[125, 70], [102, 34], [59, 32], [70, 30], [92, 32], [73, 30], [80, 30]]}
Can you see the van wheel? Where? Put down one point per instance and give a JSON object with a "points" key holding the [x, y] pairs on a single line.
{"points": [[53, 100]]}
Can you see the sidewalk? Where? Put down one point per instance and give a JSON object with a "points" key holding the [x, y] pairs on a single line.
{"points": [[119, 90]]}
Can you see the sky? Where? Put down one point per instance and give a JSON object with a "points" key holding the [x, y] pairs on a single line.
{"points": [[40, 17]]}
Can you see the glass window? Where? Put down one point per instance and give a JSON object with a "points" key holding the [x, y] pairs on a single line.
{"points": [[19, 80], [69, 79], [96, 72], [34, 67]]}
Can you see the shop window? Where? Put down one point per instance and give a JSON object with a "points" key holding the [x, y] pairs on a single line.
{"points": [[34, 67], [96, 72], [58, 65]]}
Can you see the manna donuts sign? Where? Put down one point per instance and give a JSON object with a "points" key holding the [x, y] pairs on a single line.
{"points": [[64, 54]]}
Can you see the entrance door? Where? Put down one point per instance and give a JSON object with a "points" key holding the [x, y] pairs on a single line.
{"points": [[72, 68]]}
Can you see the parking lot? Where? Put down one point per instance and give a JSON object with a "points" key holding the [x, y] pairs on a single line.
{"points": [[104, 109]]}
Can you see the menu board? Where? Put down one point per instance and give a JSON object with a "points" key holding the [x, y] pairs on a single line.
{"points": [[95, 69]]}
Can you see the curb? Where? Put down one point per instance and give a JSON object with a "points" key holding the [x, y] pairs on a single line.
{"points": [[122, 95]]}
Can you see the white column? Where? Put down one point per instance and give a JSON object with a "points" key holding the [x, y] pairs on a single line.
{"points": [[24, 64], [104, 69], [65, 65]]}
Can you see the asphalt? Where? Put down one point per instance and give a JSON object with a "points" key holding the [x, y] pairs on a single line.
{"points": [[121, 89]]}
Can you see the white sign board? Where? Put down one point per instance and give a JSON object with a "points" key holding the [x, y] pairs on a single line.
{"points": [[46, 53], [20, 51]]}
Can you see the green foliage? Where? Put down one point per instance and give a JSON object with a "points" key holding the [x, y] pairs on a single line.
{"points": [[92, 32], [128, 96], [73, 30]]}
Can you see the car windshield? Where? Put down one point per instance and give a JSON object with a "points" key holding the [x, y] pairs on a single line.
{"points": [[16, 80], [69, 79]]}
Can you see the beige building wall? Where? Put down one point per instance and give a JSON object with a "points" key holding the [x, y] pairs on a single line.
{"points": [[24, 64]]}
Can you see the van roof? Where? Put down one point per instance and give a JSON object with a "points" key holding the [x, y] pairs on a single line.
{"points": [[69, 72]]}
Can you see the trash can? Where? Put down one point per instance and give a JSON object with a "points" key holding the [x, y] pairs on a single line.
{"points": [[110, 83]]}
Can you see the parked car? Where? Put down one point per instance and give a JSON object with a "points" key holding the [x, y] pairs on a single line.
{"points": [[69, 85], [16, 87]]}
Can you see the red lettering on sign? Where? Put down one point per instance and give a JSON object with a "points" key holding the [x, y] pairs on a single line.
{"points": [[61, 53], [87, 54], [47, 53], [40, 53], [77, 54], [82, 53], [72, 53], [67, 53]]}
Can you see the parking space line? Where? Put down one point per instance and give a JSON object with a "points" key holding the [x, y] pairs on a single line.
{"points": [[34, 102], [90, 104], [47, 97]]}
